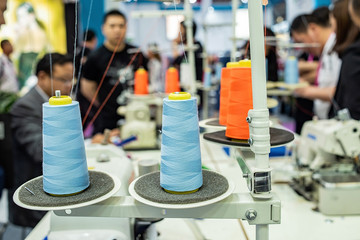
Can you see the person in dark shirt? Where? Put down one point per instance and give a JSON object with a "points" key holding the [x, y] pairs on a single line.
{"points": [[89, 44], [123, 64], [82, 52], [348, 47]]}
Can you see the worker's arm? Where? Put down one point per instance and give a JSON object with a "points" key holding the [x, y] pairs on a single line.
{"points": [[305, 66], [308, 71], [88, 90], [312, 92], [309, 77]]}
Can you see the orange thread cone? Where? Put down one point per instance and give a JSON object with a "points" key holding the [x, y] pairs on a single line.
{"points": [[224, 95], [141, 82], [240, 102], [224, 91], [172, 81]]}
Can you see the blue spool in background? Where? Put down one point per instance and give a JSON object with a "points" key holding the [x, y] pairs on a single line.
{"points": [[207, 78], [180, 148], [291, 70], [64, 161], [218, 69]]}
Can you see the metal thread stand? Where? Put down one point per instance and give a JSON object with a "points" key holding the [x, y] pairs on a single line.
{"points": [[259, 207]]}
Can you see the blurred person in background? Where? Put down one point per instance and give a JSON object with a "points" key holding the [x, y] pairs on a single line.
{"points": [[53, 73], [121, 71], [321, 32], [156, 78], [347, 16], [8, 78], [308, 64], [88, 45]]}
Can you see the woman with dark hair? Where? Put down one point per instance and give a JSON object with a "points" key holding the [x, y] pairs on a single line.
{"points": [[346, 31], [348, 48], [322, 33], [354, 10]]}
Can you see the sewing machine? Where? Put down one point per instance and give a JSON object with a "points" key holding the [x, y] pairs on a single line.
{"points": [[327, 156], [139, 121]]}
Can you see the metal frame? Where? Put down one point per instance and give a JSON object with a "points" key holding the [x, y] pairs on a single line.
{"points": [[260, 209], [236, 206]]}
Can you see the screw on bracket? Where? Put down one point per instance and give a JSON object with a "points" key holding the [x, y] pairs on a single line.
{"points": [[248, 119], [251, 214], [250, 141]]}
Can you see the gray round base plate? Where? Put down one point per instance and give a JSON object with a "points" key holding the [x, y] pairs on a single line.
{"points": [[148, 187], [100, 184], [277, 137]]}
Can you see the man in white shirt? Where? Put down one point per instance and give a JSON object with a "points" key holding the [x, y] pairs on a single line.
{"points": [[8, 79], [322, 32]]}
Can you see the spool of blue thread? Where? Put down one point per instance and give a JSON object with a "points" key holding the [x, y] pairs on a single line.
{"points": [[65, 169], [218, 69], [180, 170], [207, 77], [291, 70]]}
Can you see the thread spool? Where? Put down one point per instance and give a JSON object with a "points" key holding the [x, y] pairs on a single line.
{"points": [[207, 77], [240, 101], [65, 169], [141, 86], [180, 171], [291, 70], [218, 69], [224, 91], [172, 81]]}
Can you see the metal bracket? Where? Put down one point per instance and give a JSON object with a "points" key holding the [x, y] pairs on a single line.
{"points": [[258, 180], [235, 206]]}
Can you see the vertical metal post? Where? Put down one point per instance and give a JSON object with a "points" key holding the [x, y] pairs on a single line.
{"points": [[257, 48], [259, 129], [262, 232]]}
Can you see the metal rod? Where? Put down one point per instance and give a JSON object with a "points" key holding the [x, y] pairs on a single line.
{"points": [[257, 48], [235, 4], [262, 232], [190, 44]]}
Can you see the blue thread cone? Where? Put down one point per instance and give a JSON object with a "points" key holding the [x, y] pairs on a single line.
{"points": [[291, 70], [180, 148], [64, 161]]}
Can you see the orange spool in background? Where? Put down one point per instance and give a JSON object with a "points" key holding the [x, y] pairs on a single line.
{"points": [[225, 90], [141, 82], [240, 101], [172, 81]]}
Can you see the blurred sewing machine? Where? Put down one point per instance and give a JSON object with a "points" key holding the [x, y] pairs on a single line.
{"points": [[327, 157], [143, 115]]}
